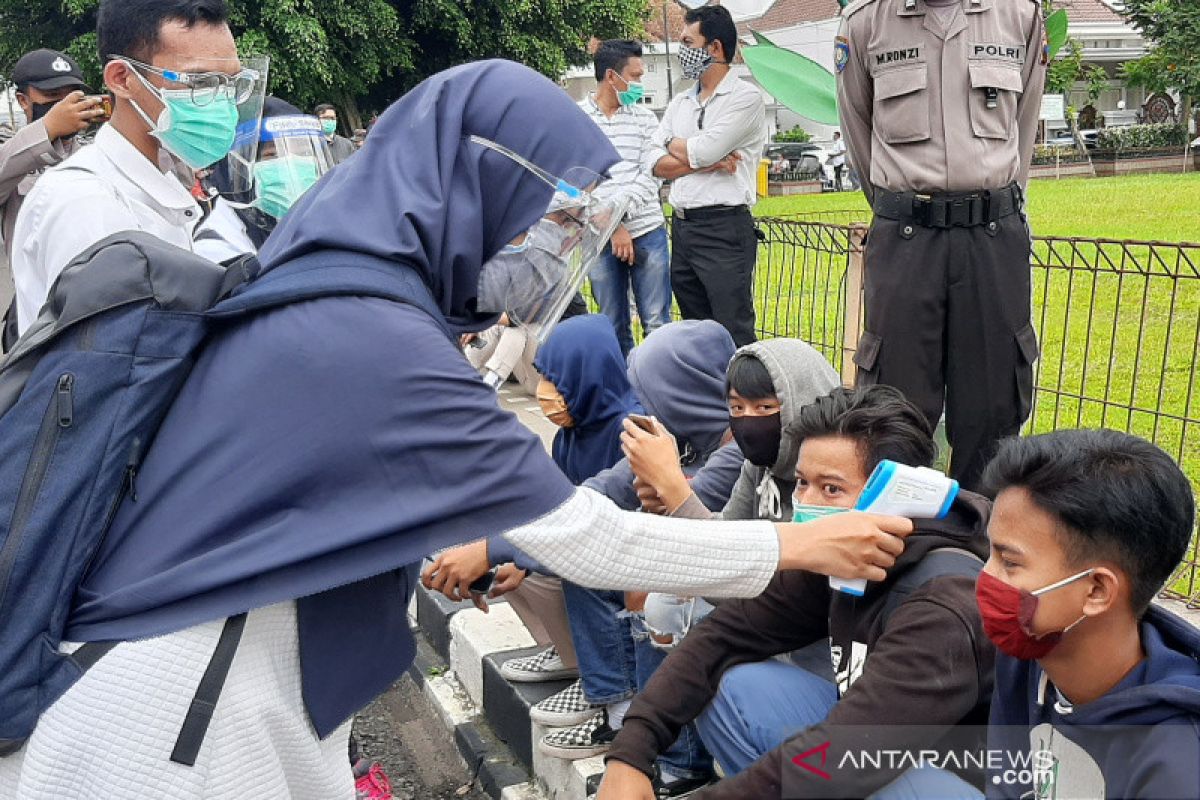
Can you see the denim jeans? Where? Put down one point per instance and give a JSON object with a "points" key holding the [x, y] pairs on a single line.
{"points": [[650, 277], [616, 660], [760, 706]]}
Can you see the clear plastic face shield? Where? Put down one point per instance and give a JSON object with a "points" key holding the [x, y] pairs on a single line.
{"points": [[533, 279], [203, 111], [292, 155]]}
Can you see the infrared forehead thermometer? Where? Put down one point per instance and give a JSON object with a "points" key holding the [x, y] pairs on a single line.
{"points": [[901, 491]]}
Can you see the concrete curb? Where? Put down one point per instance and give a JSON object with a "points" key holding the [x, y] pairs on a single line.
{"points": [[458, 663], [488, 759]]}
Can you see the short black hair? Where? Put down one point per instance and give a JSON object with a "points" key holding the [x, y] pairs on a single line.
{"points": [[614, 54], [133, 27], [716, 24], [880, 419], [749, 377], [1118, 497], [321, 109]]}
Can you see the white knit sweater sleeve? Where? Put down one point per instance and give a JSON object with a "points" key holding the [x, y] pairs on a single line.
{"points": [[589, 541]]}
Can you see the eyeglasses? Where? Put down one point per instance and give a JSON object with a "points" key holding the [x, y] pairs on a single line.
{"points": [[205, 86], [700, 122]]}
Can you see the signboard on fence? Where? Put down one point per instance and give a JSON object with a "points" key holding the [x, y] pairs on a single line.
{"points": [[1054, 108]]}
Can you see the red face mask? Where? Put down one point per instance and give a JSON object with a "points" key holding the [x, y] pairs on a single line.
{"points": [[1008, 612]]}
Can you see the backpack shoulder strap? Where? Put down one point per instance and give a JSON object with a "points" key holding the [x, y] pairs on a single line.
{"points": [[204, 702], [937, 563], [325, 274]]}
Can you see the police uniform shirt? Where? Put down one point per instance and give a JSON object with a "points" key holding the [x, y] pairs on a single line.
{"points": [[101, 190], [735, 120], [940, 106]]}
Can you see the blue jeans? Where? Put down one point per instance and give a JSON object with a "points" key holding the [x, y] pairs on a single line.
{"points": [[616, 661], [650, 277], [760, 706]]}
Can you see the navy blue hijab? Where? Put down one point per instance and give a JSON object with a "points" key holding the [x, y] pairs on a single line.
{"points": [[447, 205], [318, 451], [583, 360]]}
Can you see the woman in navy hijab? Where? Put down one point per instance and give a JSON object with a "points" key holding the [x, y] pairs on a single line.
{"points": [[318, 451], [581, 363]]}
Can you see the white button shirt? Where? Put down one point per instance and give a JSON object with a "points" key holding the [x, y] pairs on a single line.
{"points": [[101, 190], [735, 119]]}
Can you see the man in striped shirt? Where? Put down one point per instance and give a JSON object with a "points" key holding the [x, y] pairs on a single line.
{"points": [[639, 257]]}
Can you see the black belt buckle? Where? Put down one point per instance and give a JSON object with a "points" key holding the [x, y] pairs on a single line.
{"points": [[958, 212]]}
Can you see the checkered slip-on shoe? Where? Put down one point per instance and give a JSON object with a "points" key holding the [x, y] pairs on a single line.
{"points": [[543, 666], [587, 739], [568, 707]]}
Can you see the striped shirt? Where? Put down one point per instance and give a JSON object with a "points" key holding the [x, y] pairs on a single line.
{"points": [[631, 130]]}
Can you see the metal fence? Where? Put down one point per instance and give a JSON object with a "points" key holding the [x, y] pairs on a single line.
{"points": [[1118, 323]]}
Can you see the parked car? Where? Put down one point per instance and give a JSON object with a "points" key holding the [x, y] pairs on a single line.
{"points": [[1065, 139], [792, 151]]}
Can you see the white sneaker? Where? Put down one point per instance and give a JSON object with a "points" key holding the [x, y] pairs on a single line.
{"points": [[591, 737], [544, 666], [568, 707]]}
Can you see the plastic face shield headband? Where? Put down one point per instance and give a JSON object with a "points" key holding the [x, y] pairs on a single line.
{"points": [[534, 281]]}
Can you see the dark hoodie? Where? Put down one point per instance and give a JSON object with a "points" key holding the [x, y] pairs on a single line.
{"points": [[678, 374], [583, 360], [800, 375], [929, 665], [1140, 740]]}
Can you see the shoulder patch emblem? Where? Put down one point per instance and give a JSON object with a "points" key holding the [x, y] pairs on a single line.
{"points": [[841, 53]]}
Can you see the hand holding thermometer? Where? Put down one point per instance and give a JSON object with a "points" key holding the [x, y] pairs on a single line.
{"points": [[901, 491]]}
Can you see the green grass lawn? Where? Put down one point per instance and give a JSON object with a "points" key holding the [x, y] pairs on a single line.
{"points": [[1119, 328], [1144, 207]]}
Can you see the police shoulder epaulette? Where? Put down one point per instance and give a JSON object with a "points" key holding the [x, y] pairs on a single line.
{"points": [[858, 4]]}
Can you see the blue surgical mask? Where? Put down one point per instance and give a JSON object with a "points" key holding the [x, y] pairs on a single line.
{"points": [[199, 136], [279, 183], [803, 512]]}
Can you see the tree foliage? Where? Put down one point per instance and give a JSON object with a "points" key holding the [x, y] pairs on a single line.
{"points": [[1172, 27], [357, 52]]}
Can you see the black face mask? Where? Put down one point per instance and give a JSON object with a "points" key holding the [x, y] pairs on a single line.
{"points": [[39, 110], [758, 437]]}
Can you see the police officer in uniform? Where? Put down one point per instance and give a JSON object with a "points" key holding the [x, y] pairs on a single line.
{"points": [[939, 104]]}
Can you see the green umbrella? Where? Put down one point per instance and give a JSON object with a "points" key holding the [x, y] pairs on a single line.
{"points": [[1056, 31], [799, 83]]}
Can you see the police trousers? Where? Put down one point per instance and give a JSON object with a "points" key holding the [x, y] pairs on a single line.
{"points": [[948, 322]]}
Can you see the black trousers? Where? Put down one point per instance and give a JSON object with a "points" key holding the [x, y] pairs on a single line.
{"points": [[948, 320], [712, 270]]}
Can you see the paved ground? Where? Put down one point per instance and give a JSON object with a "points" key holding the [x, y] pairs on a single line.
{"points": [[402, 732]]}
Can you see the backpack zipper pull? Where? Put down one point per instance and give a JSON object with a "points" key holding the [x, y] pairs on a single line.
{"points": [[65, 393], [131, 469]]}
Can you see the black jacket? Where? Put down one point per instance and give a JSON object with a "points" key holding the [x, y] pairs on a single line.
{"points": [[928, 664]]}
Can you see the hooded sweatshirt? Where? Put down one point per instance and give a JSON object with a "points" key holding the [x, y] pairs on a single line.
{"points": [[928, 664], [800, 375], [1140, 740], [678, 374], [583, 360]]}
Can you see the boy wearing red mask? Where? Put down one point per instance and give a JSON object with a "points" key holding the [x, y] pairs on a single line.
{"points": [[1097, 692]]}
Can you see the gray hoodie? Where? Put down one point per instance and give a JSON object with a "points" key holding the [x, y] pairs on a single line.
{"points": [[800, 375]]}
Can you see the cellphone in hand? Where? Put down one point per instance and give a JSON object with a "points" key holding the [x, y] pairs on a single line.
{"points": [[483, 584], [643, 422]]}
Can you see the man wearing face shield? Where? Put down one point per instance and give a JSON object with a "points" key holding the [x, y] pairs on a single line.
{"points": [[318, 451], [180, 93], [289, 155]]}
